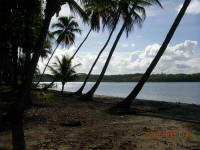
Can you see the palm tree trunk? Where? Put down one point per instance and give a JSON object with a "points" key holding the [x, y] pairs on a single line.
{"points": [[88, 95], [81, 44], [79, 92], [63, 85], [18, 140], [129, 99], [46, 65], [51, 8], [15, 117], [54, 52], [16, 112], [48, 86]]}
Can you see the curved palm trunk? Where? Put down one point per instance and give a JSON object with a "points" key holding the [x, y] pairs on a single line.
{"points": [[129, 99], [48, 86], [63, 85], [81, 43], [79, 92], [54, 52], [88, 95], [47, 65]]}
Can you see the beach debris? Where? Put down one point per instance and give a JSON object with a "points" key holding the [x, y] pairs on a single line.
{"points": [[71, 124]]}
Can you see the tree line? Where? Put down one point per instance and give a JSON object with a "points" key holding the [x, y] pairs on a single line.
{"points": [[130, 78]]}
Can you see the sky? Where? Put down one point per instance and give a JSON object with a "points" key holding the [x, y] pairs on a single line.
{"points": [[135, 53]]}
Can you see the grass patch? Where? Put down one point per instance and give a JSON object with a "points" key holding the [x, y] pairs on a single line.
{"points": [[42, 95]]}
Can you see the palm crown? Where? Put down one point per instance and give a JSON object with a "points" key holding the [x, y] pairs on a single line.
{"points": [[66, 29], [63, 70], [129, 11]]}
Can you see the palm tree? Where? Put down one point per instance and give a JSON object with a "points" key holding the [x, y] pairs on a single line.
{"points": [[96, 10], [63, 70], [30, 8], [132, 12], [66, 29], [52, 7], [81, 43], [110, 21], [79, 92], [131, 97]]}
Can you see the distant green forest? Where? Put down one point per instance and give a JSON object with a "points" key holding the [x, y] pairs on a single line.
{"points": [[134, 78]]}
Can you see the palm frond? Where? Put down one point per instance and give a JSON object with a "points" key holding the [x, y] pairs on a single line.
{"points": [[67, 27], [63, 70], [77, 9], [57, 25]]}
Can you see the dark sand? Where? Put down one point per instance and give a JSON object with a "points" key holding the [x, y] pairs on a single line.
{"points": [[155, 126]]}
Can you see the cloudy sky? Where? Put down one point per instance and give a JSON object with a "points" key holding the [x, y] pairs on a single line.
{"points": [[134, 54]]}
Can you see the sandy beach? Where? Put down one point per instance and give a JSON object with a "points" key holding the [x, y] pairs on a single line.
{"points": [[65, 123]]}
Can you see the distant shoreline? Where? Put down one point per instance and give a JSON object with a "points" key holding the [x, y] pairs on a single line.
{"points": [[132, 78]]}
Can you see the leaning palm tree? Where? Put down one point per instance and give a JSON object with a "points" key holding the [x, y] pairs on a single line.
{"points": [[79, 47], [96, 10], [44, 54], [66, 29], [132, 12], [63, 70], [131, 97], [109, 20]]}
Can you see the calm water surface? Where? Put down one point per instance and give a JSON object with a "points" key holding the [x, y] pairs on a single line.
{"points": [[185, 92]]}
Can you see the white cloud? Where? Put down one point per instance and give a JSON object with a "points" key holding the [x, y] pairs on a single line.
{"points": [[59, 52], [65, 11], [179, 58], [193, 8], [124, 45], [139, 36], [150, 13], [132, 45]]}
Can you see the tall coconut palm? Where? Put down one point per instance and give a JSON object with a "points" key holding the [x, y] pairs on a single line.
{"points": [[132, 12], [66, 29], [29, 9], [131, 97], [51, 8], [63, 70], [110, 24]]}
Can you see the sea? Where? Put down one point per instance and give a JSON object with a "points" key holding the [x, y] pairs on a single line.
{"points": [[184, 92]]}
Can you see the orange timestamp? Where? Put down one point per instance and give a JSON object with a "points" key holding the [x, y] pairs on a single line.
{"points": [[169, 134]]}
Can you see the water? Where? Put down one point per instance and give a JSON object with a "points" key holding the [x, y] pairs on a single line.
{"points": [[185, 92]]}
